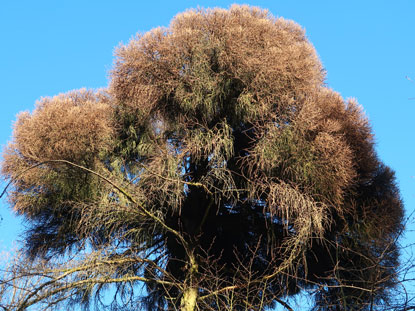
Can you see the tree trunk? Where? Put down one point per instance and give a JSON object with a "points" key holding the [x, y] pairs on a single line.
{"points": [[188, 302], [189, 299]]}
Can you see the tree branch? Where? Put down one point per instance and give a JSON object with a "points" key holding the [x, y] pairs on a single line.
{"points": [[124, 192]]}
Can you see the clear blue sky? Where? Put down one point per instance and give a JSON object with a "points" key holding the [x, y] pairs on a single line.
{"points": [[367, 48]]}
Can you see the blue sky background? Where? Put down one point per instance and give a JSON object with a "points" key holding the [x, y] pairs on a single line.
{"points": [[367, 48]]}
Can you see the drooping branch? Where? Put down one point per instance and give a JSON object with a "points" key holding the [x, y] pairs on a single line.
{"points": [[121, 190]]}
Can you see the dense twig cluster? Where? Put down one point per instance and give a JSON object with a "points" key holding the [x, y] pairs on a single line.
{"points": [[217, 169]]}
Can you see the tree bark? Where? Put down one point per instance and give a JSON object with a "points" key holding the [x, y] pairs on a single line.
{"points": [[189, 298], [190, 293]]}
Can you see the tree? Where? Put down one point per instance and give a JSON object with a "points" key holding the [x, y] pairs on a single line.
{"points": [[216, 169]]}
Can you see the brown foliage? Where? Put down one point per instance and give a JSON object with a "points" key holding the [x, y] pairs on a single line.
{"points": [[217, 139], [269, 60], [76, 126]]}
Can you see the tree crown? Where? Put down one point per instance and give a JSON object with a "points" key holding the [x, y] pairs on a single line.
{"points": [[216, 152]]}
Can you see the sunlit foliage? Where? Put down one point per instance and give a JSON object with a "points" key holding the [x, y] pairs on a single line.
{"points": [[217, 168]]}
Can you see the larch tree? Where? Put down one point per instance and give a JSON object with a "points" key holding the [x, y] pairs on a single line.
{"points": [[217, 170]]}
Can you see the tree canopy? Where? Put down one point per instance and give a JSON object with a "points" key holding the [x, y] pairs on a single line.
{"points": [[217, 169]]}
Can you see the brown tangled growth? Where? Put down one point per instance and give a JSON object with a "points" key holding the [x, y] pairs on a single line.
{"points": [[227, 151]]}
